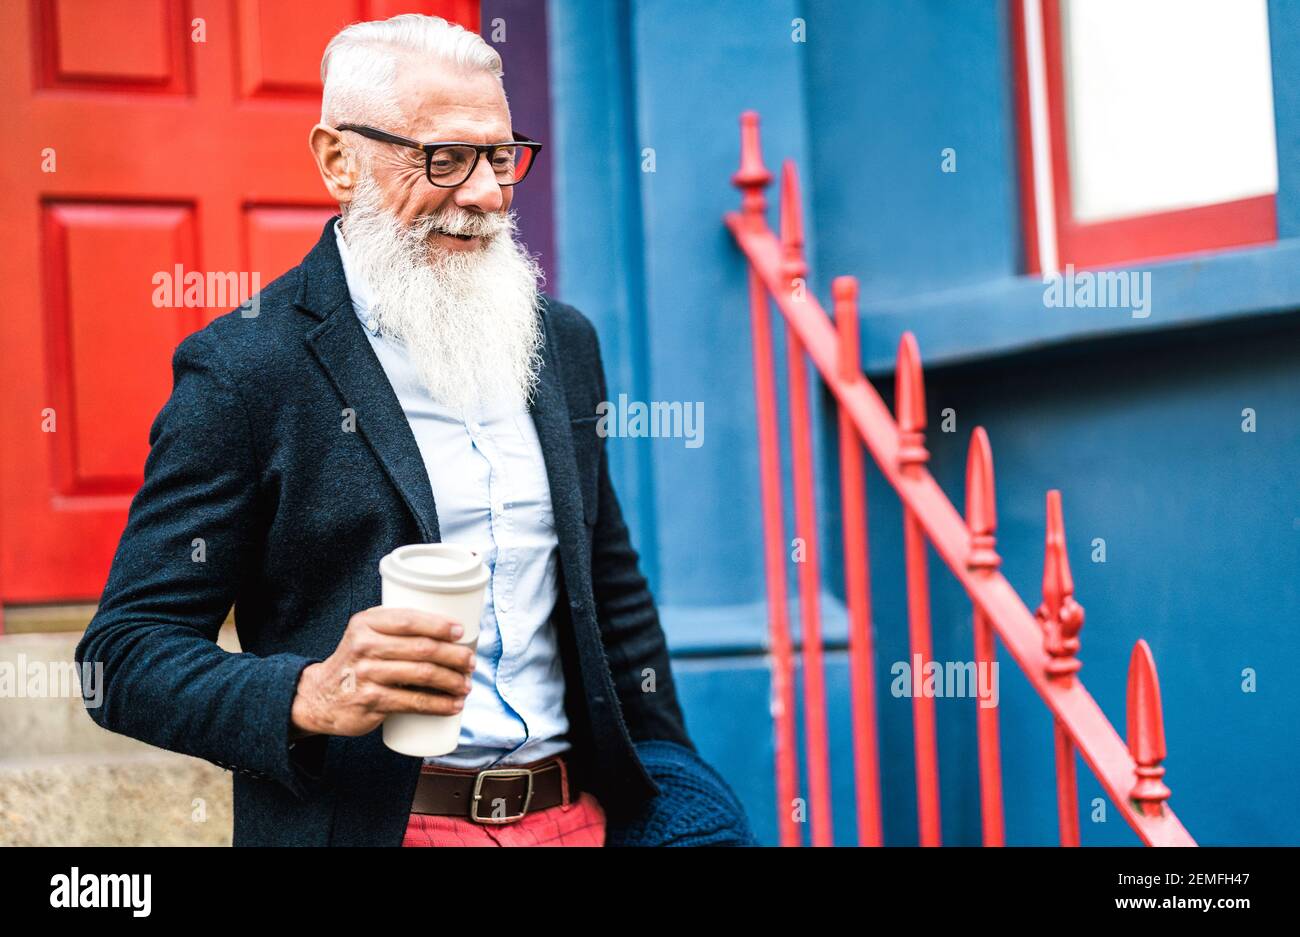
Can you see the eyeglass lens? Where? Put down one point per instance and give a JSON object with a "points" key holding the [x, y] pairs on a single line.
{"points": [[451, 165]]}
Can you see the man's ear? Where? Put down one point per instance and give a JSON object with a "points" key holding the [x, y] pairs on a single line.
{"points": [[338, 169]]}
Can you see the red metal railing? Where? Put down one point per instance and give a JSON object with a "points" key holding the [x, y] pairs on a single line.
{"points": [[1044, 644]]}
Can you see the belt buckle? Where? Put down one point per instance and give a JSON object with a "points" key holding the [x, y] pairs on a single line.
{"points": [[500, 773]]}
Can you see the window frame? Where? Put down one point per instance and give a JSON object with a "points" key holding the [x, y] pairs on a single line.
{"points": [[1053, 236]]}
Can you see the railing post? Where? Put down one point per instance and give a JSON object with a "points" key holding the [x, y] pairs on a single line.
{"points": [[857, 577], [1146, 732], [981, 519], [1061, 618], [805, 512], [751, 179], [909, 404]]}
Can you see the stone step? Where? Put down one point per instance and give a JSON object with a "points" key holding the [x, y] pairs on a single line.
{"points": [[64, 780], [154, 798]]}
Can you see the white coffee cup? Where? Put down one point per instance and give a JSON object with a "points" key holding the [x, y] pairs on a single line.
{"points": [[447, 580]]}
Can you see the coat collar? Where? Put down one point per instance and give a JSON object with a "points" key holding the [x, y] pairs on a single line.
{"points": [[322, 287], [340, 345]]}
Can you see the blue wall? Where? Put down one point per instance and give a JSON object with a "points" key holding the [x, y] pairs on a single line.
{"points": [[1136, 421]]}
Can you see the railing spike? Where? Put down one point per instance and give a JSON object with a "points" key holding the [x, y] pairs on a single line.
{"points": [[1146, 731], [752, 177], [1060, 615], [793, 264], [844, 290], [981, 508], [909, 403]]}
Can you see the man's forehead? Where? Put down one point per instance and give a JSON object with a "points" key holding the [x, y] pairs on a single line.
{"points": [[451, 104]]}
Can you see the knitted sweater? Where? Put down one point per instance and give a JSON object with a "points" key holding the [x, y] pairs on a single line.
{"points": [[694, 807]]}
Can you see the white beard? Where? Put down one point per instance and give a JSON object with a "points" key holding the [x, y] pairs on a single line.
{"points": [[468, 319]]}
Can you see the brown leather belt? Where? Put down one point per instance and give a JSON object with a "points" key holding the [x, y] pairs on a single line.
{"points": [[494, 795]]}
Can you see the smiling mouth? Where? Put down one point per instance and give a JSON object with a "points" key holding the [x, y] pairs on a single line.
{"points": [[460, 237]]}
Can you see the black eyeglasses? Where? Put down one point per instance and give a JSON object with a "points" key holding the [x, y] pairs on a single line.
{"points": [[447, 165]]}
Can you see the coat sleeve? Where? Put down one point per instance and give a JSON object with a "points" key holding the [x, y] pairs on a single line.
{"points": [[695, 805], [192, 535], [629, 622]]}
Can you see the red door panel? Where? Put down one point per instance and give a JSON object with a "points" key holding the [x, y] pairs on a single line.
{"points": [[98, 258], [91, 44], [130, 148], [275, 234]]}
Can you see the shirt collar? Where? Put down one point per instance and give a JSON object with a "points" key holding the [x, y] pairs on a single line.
{"points": [[363, 297]]}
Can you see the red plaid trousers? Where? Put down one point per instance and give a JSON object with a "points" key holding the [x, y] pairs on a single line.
{"points": [[581, 823]]}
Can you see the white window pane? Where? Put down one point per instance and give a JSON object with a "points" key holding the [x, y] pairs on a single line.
{"points": [[1170, 104]]}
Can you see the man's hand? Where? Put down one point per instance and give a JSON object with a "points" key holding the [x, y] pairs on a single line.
{"points": [[389, 660]]}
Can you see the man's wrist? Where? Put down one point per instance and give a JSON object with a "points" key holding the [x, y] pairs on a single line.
{"points": [[301, 721]]}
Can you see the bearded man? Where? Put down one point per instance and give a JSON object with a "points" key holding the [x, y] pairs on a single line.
{"points": [[406, 383]]}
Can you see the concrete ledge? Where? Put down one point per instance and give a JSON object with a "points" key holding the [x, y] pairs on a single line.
{"points": [[30, 619], [43, 619]]}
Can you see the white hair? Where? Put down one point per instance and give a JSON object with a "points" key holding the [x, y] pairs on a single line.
{"points": [[359, 67]]}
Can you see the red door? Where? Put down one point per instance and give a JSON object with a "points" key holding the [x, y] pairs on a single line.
{"points": [[136, 137]]}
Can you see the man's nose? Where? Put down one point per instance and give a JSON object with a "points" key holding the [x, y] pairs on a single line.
{"points": [[481, 190]]}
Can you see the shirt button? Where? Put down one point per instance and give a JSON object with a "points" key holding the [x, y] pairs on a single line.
{"points": [[372, 323]]}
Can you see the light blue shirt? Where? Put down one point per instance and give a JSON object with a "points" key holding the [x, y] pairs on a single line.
{"points": [[492, 494]]}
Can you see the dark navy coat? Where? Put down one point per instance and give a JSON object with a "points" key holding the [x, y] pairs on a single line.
{"points": [[255, 495]]}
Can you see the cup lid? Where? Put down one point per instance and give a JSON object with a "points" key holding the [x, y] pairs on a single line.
{"points": [[439, 567]]}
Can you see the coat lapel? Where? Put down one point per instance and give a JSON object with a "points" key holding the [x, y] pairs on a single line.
{"points": [[550, 412], [343, 350]]}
